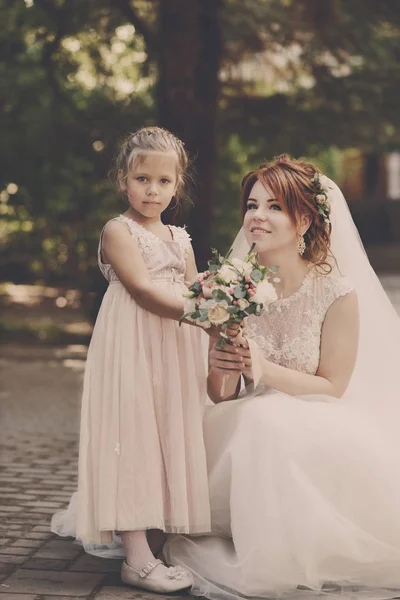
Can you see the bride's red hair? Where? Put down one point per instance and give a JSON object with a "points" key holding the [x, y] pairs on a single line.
{"points": [[291, 183]]}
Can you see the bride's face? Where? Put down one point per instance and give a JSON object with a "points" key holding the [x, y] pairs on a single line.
{"points": [[267, 223]]}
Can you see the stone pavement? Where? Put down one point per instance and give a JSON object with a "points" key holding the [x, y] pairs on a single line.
{"points": [[39, 415]]}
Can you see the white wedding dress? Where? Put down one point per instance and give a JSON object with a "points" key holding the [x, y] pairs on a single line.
{"points": [[305, 491]]}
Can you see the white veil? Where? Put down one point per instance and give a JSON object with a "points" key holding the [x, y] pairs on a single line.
{"points": [[375, 383]]}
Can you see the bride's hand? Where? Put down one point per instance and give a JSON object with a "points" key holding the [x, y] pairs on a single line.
{"points": [[226, 359], [231, 359]]}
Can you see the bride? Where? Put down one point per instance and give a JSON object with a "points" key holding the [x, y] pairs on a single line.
{"points": [[304, 463]]}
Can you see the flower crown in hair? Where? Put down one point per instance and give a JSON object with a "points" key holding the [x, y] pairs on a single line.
{"points": [[321, 198]]}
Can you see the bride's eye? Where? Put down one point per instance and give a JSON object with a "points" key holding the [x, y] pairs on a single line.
{"points": [[251, 206], [275, 207]]}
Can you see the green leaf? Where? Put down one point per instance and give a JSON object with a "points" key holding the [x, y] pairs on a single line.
{"points": [[232, 310], [239, 292], [256, 275], [220, 295], [250, 310]]}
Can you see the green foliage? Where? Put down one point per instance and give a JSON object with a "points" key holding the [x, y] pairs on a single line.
{"points": [[306, 77], [65, 103]]}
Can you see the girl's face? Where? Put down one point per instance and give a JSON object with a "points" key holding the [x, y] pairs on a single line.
{"points": [[151, 183], [267, 223]]}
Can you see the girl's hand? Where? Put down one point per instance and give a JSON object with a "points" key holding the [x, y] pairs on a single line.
{"points": [[237, 334]]}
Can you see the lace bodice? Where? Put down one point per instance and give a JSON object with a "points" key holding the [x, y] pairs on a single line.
{"points": [[165, 260], [289, 332]]}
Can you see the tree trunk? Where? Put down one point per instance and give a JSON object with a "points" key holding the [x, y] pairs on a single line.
{"points": [[188, 88]]}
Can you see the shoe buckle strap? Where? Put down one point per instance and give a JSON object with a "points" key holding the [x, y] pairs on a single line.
{"points": [[147, 569]]}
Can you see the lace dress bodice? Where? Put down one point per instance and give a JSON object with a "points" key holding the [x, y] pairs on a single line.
{"points": [[289, 331], [165, 260]]}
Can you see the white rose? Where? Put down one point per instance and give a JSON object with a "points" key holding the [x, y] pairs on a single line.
{"points": [[218, 314], [244, 267], [227, 274], [320, 198], [265, 293], [243, 303]]}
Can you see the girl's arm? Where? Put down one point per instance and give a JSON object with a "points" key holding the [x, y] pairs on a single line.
{"points": [[339, 345], [126, 259], [191, 268]]}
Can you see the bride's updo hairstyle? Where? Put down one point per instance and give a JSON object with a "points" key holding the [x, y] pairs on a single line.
{"points": [[291, 183]]}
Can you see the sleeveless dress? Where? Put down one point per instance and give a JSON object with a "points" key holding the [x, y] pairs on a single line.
{"points": [[142, 460], [304, 491]]}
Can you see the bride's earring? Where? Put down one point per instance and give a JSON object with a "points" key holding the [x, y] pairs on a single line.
{"points": [[301, 245]]}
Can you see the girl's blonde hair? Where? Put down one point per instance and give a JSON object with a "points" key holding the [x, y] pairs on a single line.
{"points": [[154, 139]]}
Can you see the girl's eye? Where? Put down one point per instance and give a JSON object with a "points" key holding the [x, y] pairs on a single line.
{"points": [[164, 180], [141, 178], [252, 206], [275, 207]]}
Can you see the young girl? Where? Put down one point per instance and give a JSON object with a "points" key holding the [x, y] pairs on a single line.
{"points": [[142, 461]]}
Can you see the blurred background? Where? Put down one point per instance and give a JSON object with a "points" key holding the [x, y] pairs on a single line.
{"points": [[238, 80]]}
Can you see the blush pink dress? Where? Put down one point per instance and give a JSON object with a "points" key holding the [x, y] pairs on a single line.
{"points": [[142, 461]]}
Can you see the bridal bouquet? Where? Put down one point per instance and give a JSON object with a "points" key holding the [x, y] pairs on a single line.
{"points": [[229, 291]]}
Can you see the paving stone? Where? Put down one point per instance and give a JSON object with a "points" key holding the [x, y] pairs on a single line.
{"points": [[28, 470], [14, 480], [12, 560], [27, 543], [16, 551], [7, 596], [44, 511], [43, 487], [42, 528], [7, 495], [36, 535], [130, 593], [43, 504], [59, 549], [6, 568], [58, 583], [46, 564], [94, 564], [55, 597]]}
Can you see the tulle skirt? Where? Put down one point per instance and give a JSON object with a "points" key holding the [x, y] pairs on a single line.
{"points": [[305, 499], [142, 462]]}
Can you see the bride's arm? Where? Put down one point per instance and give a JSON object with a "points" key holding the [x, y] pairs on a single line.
{"points": [[339, 344]]}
